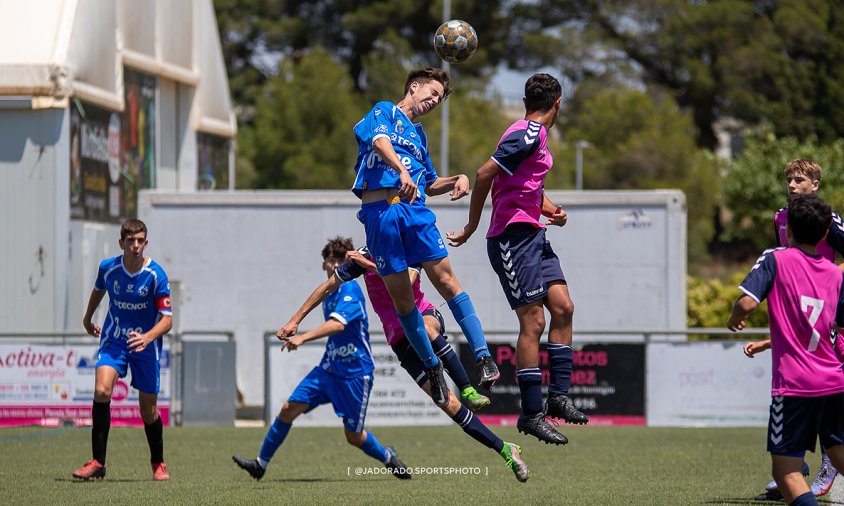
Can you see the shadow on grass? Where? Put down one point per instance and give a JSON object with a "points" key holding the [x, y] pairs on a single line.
{"points": [[105, 480], [741, 500], [322, 480]]}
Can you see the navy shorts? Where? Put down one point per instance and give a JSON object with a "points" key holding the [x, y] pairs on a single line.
{"points": [[795, 423], [399, 235], [348, 396], [146, 373], [409, 359], [525, 263]]}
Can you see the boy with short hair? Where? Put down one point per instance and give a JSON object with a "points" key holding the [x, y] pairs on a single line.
{"points": [[343, 377], [803, 177], [527, 267], [139, 314], [806, 308], [359, 263], [393, 175]]}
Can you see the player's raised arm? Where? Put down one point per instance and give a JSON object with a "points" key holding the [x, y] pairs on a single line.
{"points": [[328, 328], [361, 259], [458, 186], [483, 183], [314, 299]]}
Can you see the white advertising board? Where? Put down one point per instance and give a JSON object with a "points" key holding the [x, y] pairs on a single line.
{"points": [[707, 384], [395, 398]]}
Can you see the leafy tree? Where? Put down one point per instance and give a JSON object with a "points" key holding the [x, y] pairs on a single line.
{"points": [[752, 60], [303, 119], [755, 185], [302, 137], [264, 42], [642, 140], [256, 34]]}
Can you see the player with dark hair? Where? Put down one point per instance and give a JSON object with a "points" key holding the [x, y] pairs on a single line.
{"points": [[803, 177], [394, 173], [360, 263], [806, 309], [342, 378], [139, 314], [527, 267]]}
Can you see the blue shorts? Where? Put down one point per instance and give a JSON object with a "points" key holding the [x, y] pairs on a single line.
{"points": [[795, 423], [348, 396], [399, 235], [525, 263], [146, 374]]}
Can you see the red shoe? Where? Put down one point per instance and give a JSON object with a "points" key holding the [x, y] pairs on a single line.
{"points": [[91, 469], [159, 472]]}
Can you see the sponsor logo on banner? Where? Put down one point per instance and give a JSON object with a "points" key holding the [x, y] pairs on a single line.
{"points": [[52, 385], [607, 382]]}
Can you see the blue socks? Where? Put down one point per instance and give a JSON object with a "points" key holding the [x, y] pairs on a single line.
{"points": [[464, 312], [451, 363], [275, 436], [373, 448], [559, 360], [477, 430], [414, 331], [530, 385]]}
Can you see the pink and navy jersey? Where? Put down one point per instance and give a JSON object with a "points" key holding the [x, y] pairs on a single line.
{"points": [[805, 302], [135, 302], [347, 353], [409, 141], [382, 304], [517, 193], [833, 242]]}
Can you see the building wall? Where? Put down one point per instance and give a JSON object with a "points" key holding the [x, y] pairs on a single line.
{"points": [[247, 260], [34, 213]]}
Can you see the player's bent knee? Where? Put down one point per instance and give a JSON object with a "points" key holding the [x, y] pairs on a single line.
{"points": [[289, 411], [102, 393], [149, 417], [354, 438]]}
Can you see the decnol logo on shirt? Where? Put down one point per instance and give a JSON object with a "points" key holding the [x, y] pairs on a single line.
{"points": [[130, 306]]}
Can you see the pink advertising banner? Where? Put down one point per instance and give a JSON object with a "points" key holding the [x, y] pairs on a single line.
{"points": [[53, 384]]}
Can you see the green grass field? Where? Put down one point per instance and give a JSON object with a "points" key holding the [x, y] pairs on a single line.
{"points": [[601, 465]]}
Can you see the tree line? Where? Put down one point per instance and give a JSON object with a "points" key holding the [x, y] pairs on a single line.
{"points": [[647, 84]]}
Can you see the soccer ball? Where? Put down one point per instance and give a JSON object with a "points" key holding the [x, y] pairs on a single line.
{"points": [[455, 41]]}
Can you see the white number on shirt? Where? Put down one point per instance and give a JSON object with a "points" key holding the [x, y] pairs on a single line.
{"points": [[817, 306]]}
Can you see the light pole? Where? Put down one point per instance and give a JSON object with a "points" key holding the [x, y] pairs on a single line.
{"points": [[578, 166], [444, 107]]}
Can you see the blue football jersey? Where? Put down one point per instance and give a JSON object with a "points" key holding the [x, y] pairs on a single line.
{"points": [[347, 353], [135, 302], [409, 141]]}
